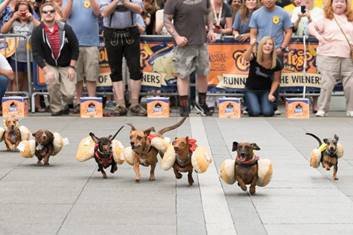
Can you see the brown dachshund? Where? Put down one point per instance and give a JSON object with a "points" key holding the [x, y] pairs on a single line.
{"points": [[183, 147], [103, 153], [12, 135], [246, 166], [144, 153], [44, 146], [329, 156]]}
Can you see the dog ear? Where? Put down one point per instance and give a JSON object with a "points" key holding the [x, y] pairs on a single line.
{"points": [[50, 135], [148, 131], [255, 147], [235, 146], [326, 141], [34, 134], [132, 126], [336, 137], [94, 138]]}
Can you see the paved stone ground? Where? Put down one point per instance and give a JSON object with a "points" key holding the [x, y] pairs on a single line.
{"points": [[70, 197]]}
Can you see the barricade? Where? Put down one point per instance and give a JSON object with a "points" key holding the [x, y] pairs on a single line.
{"points": [[227, 73], [8, 45]]}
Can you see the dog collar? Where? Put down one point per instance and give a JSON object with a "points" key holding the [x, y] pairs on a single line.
{"points": [[105, 161]]}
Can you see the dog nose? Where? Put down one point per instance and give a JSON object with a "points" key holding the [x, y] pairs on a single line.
{"points": [[132, 144]]}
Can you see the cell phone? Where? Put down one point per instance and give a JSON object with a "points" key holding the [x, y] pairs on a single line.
{"points": [[302, 9]]}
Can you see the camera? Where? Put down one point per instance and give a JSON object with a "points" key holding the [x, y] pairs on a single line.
{"points": [[302, 9]]}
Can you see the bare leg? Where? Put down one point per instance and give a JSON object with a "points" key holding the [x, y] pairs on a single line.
{"points": [[91, 88]]}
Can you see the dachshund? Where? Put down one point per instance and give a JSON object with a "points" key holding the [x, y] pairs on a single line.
{"points": [[144, 153]]}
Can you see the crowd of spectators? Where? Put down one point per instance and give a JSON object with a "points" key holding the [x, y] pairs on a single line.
{"points": [[245, 20]]}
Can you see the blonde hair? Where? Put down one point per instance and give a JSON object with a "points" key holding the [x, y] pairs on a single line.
{"points": [[244, 11], [328, 10], [259, 52]]}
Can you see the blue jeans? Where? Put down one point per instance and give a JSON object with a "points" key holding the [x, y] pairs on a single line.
{"points": [[257, 103], [3, 86]]}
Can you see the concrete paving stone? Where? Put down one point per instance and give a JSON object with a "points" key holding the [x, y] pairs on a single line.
{"points": [[14, 228], [32, 213], [138, 229], [74, 199], [309, 229], [303, 206], [34, 192], [121, 213]]}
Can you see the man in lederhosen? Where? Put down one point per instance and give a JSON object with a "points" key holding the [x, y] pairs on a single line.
{"points": [[122, 39]]}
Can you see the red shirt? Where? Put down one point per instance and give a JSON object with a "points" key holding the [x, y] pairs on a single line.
{"points": [[54, 39]]}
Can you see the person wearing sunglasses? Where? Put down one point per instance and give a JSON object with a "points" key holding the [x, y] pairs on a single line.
{"points": [[55, 50]]}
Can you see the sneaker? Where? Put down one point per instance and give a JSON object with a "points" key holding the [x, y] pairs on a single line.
{"points": [[277, 112], [320, 113], [119, 110], [138, 110], [349, 113], [110, 105], [184, 111], [203, 109], [76, 109]]}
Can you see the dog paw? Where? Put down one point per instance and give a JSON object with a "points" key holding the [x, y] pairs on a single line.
{"points": [[113, 170], [152, 178], [335, 178], [191, 182], [137, 180], [244, 188], [178, 176], [252, 191]]}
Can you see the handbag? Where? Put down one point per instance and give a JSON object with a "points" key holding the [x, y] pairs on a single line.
{"points": [[345, 36]]}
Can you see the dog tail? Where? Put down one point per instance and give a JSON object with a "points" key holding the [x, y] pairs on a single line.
{"points": [[132, 126], [117, 132], [315, 137], [169, 128]]}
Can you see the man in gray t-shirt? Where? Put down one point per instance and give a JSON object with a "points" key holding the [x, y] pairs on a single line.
{"points": [[190, 18], [271, 20]]}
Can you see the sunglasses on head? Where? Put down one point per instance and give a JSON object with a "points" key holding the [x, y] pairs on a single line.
{"points": [[50, 11]]}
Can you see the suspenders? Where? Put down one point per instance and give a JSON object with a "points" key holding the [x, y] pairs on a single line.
{"points": [[121, 8]]}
